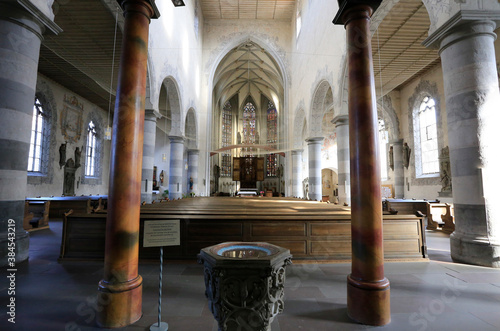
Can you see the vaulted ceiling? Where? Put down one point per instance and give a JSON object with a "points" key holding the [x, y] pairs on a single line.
{"points": [[248, 69]]}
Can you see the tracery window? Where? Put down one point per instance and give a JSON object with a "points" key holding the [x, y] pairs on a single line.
{"points": [[90, 164], [37, 135], [272, 138], [249, 127], [227, 133], [383, 136], [428, 136]]}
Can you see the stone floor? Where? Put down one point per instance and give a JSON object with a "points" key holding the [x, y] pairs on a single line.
{"points": [[435, 295]]}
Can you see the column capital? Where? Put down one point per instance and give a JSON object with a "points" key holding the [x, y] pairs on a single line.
{"points": [[465, 20], [193, 151], [149, 4], [151, 115], [297, 151], [177, 139], [396, 142], [314, 140], [340, 120], [345, 7]]}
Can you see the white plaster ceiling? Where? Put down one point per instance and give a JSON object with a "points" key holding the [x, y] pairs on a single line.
{"points": [[248, 9]]}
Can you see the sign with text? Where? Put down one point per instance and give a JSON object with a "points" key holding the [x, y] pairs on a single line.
{"points": [[162, 233]]}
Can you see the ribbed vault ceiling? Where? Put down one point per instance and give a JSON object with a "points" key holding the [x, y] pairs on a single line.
{"points": [[248, 69]]}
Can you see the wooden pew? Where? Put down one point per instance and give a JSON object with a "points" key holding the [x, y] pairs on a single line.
{"points": [[80, 204], [448, 219], [36, 215]]}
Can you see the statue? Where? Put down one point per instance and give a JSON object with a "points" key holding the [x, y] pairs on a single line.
{"points": [[62, 155], [69, 178], [257, 138], [78, 155], [445, 169], [190, 184], [238, 138], [391, 157], [162, 177], [406, 155]]}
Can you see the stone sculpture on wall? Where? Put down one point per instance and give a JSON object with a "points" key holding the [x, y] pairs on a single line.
{"points": [[406, 155], [445, 171], [62, 155], [70, 167], [391, 157]]}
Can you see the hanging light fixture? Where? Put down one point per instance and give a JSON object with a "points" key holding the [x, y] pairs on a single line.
{"points": [[107, 131]]}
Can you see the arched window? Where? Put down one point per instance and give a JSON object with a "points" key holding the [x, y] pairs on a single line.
{"points": [[90, 164], [272, 138], [38, 125], [249, 126], [426, 134], [227, 133], [383, 138]]}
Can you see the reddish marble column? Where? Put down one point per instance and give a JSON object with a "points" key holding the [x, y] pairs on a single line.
{"points": [[368, 299], [120, 290]]}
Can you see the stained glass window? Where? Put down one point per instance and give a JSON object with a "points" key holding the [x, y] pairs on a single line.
{"points": [[249, 127], [37, 127], [227, 133], [428, 136], [272, 138], [90, 165]]}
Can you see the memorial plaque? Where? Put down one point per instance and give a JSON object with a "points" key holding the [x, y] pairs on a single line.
{"points": [[162, 233]]}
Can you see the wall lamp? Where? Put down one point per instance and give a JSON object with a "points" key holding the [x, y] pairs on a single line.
{"points": [[178, 3]]}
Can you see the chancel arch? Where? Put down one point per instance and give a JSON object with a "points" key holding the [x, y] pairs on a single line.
{"points": [[248, 98]]}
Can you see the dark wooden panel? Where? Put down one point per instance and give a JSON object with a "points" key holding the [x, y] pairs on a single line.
{"points": [[210, 229], [282, 229], [331, 229]]}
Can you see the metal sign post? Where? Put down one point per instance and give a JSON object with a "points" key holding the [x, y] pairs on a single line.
{"points": [[161, 233]]}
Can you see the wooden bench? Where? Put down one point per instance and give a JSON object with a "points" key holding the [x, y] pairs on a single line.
{"points": [[440, 217], [309, 238], [36, 215], [79, 205]]}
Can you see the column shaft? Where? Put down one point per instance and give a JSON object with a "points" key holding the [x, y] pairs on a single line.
{"points": [[314, 149], [342, 128], [20, 38], [399, 174], [193, 156], [120, 290], [297, 190], [368, 299], [472, 99], [176, 167], [148, 156]]}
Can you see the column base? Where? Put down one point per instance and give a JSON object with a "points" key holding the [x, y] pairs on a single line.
{"points": [[119, 304], [473, 250], [369, 302]]}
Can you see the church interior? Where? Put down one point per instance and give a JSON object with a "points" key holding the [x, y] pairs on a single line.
{"points": [[359, 136]]}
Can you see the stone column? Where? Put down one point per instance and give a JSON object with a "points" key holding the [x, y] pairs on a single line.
{"points": [[399, 174], [297, 190], [342, 128], [368, 297], [20, 38], [193, 155], [148, 155], [176, 167], [120, 290], [314, 151], [472, 98]]}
